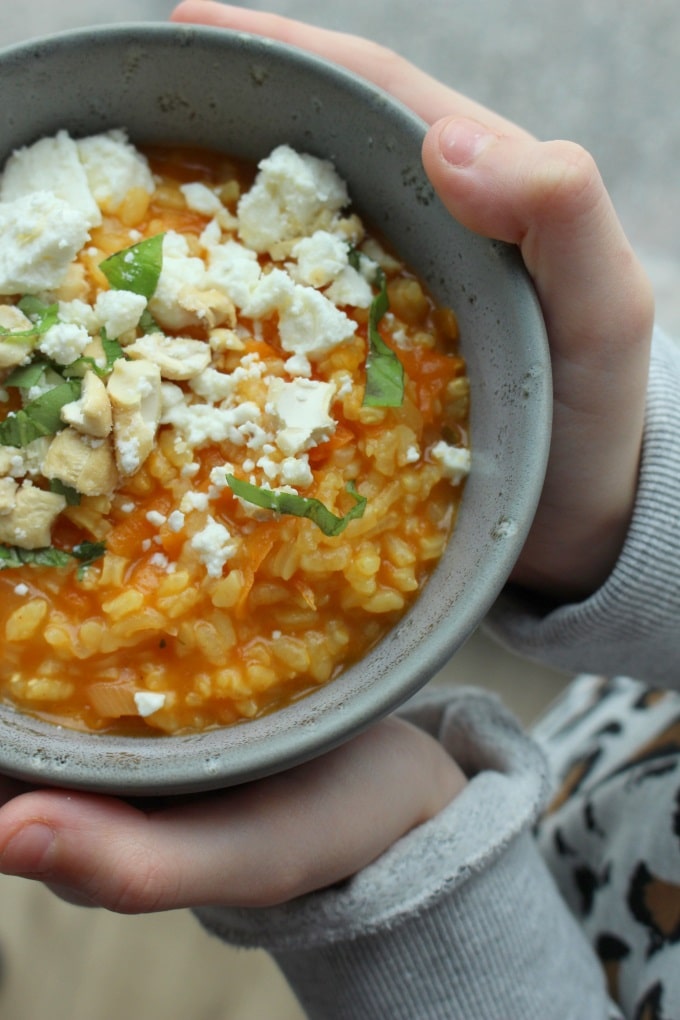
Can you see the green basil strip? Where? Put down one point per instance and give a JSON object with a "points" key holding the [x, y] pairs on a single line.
{"points": [[299, 506], [148, 324], [26, 376], [112, 352], [12, 556], [40, 417], [42, 316], [86, 553], [138, 268], [384, 370], [71, 495]]}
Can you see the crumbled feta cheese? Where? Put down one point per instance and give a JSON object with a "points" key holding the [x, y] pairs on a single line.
{"points": [[296, 471], [64, 342], [298, 365], [301, 407], [214, 546], [233, 269], [51, 164], [181, 274], [176, 521], [21, 589], [79, 313], [40, 235], [320, 259], [211, 235], [201, 199], [194, 501], [293, 195], [200, 423], [274, 292], [454, 460], [312, 325], [148, 702], [156, 518], [112, 168], [412, 455], [350, 288], [119, 311]]}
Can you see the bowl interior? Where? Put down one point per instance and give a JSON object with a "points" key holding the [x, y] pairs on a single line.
{"points": [[244, 95]]}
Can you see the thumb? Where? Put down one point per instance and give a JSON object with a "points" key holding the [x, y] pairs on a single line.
{"points": [[549, 199]]}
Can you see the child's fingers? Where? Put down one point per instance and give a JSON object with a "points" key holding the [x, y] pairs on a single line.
{"points": [[255, 845], [549, 199]]}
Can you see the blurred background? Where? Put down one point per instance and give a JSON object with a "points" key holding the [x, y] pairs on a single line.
{"points": [[602, 72]]}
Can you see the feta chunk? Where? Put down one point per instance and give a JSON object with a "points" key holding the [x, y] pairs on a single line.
{"points": [[455, 461], [301, 407], [214, 546], [64, 342], [148, 702], [53, 165], [119, 311], [312, 325], [201, 199], [40, 235], [320, 259], [112, 168], [233, 269], [181, 273], [293, 195]]}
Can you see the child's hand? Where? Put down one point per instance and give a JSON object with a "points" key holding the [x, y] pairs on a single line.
{"points": [[253, 846], [547, 198]]}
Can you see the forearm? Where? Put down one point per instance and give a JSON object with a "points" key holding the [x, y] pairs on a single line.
{"points": [[630, 625]]}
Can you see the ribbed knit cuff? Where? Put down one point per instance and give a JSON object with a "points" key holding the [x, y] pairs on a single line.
{"points": [[460, 919]]}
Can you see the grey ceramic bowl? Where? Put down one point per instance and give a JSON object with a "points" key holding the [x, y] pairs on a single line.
{"points": [[245, 95]]}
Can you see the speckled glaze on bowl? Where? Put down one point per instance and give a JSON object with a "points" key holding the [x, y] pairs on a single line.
{"points": [[243, 95]]}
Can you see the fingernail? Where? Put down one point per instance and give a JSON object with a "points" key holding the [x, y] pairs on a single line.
{"points": [[461, 141], [28, 852]]}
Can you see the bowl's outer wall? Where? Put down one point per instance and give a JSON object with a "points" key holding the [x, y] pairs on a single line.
{"points": [[245, 95]]}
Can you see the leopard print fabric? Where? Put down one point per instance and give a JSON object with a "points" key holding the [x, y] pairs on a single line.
{"points": [[611, 833]]}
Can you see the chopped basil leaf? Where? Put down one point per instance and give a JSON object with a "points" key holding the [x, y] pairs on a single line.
{"points": [[299, 506], [148, 324], [112, 352], [12, 556], [25, 376], [72, 496], [41, 315], [86, 553], [137, 268], [40, 417], [384, 371]]}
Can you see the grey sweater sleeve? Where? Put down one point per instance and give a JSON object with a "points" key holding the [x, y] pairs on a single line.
{"points": [[459, 919], [630, 626]]}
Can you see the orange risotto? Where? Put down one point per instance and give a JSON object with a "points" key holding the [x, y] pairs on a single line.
{"points": [[233, 433]]}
